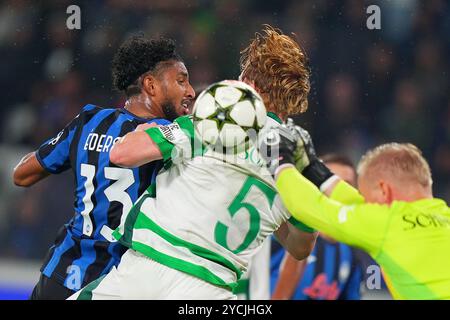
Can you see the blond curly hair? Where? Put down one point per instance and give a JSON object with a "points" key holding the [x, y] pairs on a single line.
{"points": [[277, 66]]}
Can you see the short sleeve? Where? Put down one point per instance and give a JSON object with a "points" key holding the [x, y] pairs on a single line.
{"points": [[54, 154], [175, 141]]}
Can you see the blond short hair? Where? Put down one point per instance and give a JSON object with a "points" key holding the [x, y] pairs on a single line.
{"points": [[277, 65], [401, 161]]}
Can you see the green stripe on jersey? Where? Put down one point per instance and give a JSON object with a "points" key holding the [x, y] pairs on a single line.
{"points": [[197, 147], [300, 225], [274, 117], [166, 147], [86, 292], [152, 190], [130, 220], [183, 266], [163, 144], [144, 222], [243, 287]]}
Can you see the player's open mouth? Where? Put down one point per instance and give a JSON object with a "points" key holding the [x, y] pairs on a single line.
{"points": [[186, 104]]}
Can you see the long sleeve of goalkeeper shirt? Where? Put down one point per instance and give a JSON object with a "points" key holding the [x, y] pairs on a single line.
{"points": [[344, 216]]}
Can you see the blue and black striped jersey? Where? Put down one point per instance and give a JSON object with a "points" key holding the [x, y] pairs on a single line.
{"points": [[84, 248], [333, 272]]}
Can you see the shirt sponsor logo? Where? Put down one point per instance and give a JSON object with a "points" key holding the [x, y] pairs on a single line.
{"points": [[424, 220], [170, 131]]}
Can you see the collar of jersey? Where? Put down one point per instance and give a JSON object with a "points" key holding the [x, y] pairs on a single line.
{"points": [[137, 117], [431, 202], [274, 117]]}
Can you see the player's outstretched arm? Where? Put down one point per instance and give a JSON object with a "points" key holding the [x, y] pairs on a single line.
{"points": [[135, 149], [359, 224], [291, 144], [150, 142], [297, 242], [29, 171]]}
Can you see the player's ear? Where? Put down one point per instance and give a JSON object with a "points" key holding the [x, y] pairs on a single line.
{"points": [[386, 191], [149, 85]]}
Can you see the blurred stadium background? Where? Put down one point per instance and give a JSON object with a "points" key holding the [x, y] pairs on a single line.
{"points": [[368, 86]]}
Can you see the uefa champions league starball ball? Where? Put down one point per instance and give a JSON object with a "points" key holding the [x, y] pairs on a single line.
{"points": [[227, 113]]}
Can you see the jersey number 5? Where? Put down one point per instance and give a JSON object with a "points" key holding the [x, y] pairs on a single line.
{"points": [[221, 230]]}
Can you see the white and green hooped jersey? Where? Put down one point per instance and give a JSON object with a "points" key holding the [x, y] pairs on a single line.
{"points": [[207, 213]]}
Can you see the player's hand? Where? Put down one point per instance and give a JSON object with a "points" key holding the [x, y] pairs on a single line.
{"points": [[304, 152], [306, 160], [278, 147]]}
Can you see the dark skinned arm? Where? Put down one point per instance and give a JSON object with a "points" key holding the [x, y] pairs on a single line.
{"points": [[29, 171]]}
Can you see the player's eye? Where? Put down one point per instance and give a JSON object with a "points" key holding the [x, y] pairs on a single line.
{"points": [[182, 79]]}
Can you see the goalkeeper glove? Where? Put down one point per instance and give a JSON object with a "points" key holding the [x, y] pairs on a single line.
{"points": [[277, 147], [305, 158]]}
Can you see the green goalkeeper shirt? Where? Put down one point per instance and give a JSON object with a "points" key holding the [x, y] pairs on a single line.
{"points": [[410, 240]]}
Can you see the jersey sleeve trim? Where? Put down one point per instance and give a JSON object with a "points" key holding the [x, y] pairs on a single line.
{"points": [[300, 225], [42, 163], [168, 137], [54, 154], [187, 126], [163, 144]]}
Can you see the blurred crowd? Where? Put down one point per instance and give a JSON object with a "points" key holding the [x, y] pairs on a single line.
{"points": [[368, 86]]}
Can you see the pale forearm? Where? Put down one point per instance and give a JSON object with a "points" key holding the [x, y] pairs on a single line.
{"points": [[135, 149]]}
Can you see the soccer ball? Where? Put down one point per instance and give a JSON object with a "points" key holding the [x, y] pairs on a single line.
{"points": [[227, 113]]}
